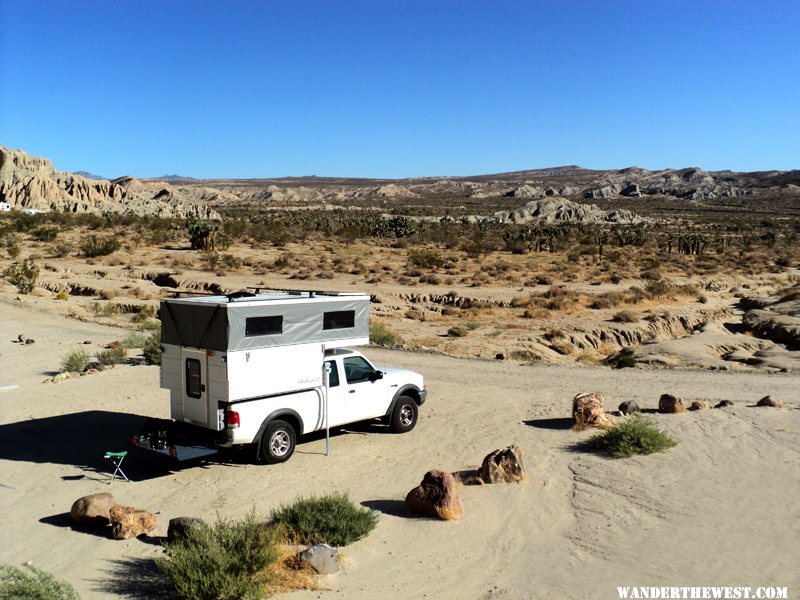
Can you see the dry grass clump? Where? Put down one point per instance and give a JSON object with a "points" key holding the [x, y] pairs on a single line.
{"points": [[626, 316]]}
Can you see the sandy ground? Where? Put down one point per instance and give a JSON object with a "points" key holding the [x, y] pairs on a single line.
{"points": [[718, 509]]}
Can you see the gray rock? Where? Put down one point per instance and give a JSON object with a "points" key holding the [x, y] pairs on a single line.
{"points": [[179, 527], [629, 407], [769, 401], [323, 558]]}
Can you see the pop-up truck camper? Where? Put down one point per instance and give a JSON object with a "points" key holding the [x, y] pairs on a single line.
{"points": [[265, 369]]}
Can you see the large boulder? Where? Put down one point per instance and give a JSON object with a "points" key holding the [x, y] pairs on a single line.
{"points": [[128, 522], [670, 404], [502, 466], [179, 527], [436, 497], [588, 411], [94, 509]]}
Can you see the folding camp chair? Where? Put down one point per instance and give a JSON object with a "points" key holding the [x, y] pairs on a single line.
{"points": [[117, 458]]}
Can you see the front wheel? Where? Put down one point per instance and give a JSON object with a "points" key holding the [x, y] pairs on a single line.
{"points": [[278, 442], [404, 416]]}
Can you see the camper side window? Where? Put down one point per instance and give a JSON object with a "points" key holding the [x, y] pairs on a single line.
{"points": [[340, 319], [263, 326], [193, 386]]}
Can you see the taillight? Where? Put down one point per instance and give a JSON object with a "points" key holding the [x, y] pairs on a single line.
{"points": [[232, 419], [135, 440]]}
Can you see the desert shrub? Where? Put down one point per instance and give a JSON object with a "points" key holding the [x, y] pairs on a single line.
{"points": [[93, 246], [431, 278], [62, 295], [61, 250], [380, 335], [329, 519], [33, 584], [112, 356], [425, 258], [104, 309], [220, 561], [658, 287], [520, 301], [13, 250], [151, 351], [75, 361], [23, 275], [154, 325], [135, 339], [524, 355], [632, 435], [626, 316], [146, 311], [45, 234]]}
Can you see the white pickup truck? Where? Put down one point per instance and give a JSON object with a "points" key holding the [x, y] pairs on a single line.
{"points": [[251, 369]]}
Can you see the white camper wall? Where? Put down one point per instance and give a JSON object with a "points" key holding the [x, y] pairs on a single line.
{"points": [[265, 371]]}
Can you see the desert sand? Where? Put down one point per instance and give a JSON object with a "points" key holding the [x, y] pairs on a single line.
{"points": [[718, 509]]}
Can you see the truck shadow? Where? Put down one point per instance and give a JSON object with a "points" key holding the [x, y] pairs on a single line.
{"points": [[80, 440]]}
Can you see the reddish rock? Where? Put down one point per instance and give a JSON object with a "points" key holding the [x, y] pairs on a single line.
{"points": [[128, 522], [502, 466], [94, 509], [436, 497], [588, 411], [670, 404]]}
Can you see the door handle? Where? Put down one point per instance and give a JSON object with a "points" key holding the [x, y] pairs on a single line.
{"points": [[202, 387], [351, 391]]}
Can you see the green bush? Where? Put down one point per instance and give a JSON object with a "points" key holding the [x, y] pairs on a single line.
{"points": [[112, 356], [221, 561], [75, 361], [380, 335], [330, 519], [154, 325], [136, 339], [202, 234], [33, 584], [631, 435], [93, 246], [45, 234], [152, 348], [425, 258], [23, 275]]}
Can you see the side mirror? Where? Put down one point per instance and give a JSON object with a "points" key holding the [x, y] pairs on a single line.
{"points": [[375, 375]]}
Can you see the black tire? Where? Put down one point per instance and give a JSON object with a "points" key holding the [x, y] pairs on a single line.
{"points": [[278, 442], [404, 415]]}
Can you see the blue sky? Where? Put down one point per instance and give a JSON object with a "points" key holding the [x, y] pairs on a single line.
{"points": [[230, 88]]}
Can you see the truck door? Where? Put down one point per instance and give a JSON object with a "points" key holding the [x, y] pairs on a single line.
{"points": [[336, 396], [365, 397], [196, 405]]}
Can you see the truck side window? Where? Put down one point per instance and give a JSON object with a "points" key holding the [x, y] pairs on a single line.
{"points": [[333, 378], [357, 369]]}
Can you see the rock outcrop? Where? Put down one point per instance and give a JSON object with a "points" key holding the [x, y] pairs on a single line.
{"points": [[31, 182], [560, 210]]}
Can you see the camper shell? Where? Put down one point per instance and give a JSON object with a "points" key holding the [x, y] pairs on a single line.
{"points": [[251, 345]]}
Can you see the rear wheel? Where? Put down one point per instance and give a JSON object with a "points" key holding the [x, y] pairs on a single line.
{"points": [[404, 416], [278, 442]]}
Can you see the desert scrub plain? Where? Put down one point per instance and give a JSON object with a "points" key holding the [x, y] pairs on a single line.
{"points": [[564, 292]]}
